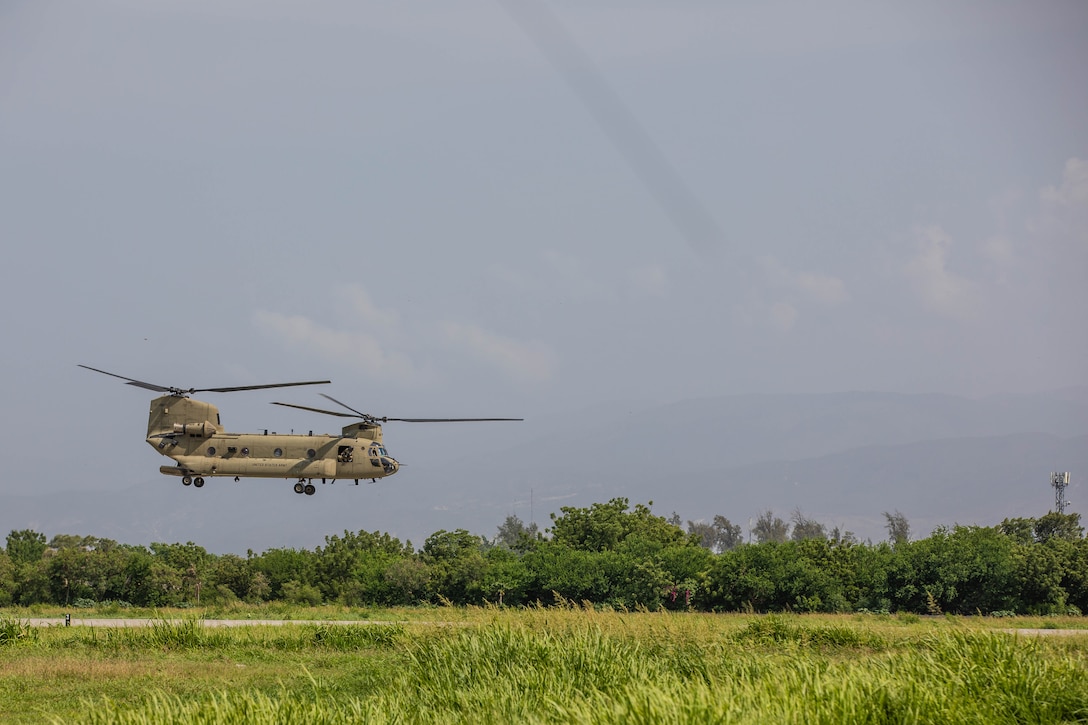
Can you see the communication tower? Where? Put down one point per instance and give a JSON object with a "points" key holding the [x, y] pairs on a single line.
{"points": [[1060, 481]]}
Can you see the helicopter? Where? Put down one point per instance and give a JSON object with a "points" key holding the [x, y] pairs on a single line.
{"points": [[189, 431]]}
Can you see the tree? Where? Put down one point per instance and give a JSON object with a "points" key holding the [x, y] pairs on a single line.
{"points": [[687, 568], [1061, 526], [190, 561], [898, 528], [280, 566], [719, 536], [806, 528], [703, 533], [744, 578], [350, 568], [407, 580], [506, 577], [514, 534], [729, 535], [962, 570], [234, 573], [68, 541], [602, 527], [575, 574], [7, 580], [770, 528], [841, 537], [457, 565], [26, 546]]}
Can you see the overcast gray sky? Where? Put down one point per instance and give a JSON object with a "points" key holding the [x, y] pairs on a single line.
{"points": [[413, 200]]}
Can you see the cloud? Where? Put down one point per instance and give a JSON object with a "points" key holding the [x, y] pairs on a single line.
{"points": [[999, 252], [1073, 191], [939, 288], [368, 339], [821, 287], [517, 359], [357, 299], [352, 348], [802, 287], [1063, 210], [783, 315], [815, 286], [571, 278]]}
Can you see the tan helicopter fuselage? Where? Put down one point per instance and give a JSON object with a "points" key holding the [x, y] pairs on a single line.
{"points": [[189, 432]]}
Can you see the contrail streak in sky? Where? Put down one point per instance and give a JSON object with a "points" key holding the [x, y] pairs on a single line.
{"points": [[665, 185]]}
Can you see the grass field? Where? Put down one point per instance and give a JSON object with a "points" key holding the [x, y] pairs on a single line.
{"points": [[561, 664]]}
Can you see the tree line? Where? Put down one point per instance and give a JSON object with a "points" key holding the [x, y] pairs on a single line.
{"points": [[608, 554]]}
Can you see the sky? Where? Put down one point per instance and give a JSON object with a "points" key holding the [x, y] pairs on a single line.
{"points": [[523, 208]]}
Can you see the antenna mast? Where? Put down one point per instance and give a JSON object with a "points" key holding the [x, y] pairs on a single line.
{"points": [[1060, 481]]}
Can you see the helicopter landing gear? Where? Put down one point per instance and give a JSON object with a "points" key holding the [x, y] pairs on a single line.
{"points": [[300, 487], [304, 486], [198, 481], [310, 489], [187, 480]]}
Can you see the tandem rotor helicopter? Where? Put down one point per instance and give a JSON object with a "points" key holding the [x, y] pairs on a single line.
{"points": [[189, 432]]}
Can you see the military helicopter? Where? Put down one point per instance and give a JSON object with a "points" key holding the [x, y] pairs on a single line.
{"points": [[189, 432]]}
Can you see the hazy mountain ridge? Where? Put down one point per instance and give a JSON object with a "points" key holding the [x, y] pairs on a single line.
{"points": [[840, 458]]}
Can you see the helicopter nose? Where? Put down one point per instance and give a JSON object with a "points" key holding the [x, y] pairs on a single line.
{"points": [[390, 465]]}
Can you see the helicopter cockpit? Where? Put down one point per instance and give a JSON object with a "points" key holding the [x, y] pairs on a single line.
{"points": [[380, 457]]}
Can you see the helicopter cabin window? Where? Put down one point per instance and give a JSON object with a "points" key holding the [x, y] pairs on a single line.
{"points": [[211, 450], [278, 452], [245, 451], [311, 454], [343, 454]]}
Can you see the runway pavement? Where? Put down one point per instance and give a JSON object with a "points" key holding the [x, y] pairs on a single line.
{"points": [[125, 623], [148, 622]]}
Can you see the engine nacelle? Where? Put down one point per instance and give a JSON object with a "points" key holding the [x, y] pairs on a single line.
{"points": [[197, 430], [370, 431]]}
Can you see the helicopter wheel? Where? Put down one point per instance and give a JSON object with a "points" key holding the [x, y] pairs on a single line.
{"points": [[187, 480], [310, 489], [198, 481], [299, 487]]}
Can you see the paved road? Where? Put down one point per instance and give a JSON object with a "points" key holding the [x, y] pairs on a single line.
{"points": [[82, 622]]}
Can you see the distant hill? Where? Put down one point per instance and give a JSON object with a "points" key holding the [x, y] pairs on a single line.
{"points": [[841, 458]]}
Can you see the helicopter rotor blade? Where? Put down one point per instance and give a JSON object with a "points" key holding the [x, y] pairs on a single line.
{"points": [[385, 419], [187, 391], [446, 420], [364, 416], [317, 410], [257, 387], [131, 381]]}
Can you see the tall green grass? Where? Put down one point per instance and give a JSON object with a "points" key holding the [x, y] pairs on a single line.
{"points": [[548, 667], [16, 631], [191, 634]]}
